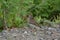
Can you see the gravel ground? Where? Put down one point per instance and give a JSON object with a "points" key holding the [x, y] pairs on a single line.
{"points": [[29, 33]]}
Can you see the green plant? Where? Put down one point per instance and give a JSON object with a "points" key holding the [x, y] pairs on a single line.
{"points": [[13, 13]]}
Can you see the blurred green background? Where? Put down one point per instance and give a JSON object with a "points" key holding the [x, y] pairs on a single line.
{"points": [[14, 13]]}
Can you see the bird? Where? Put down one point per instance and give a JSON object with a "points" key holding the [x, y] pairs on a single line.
{"points": [[31, 20], [32, 23]]}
